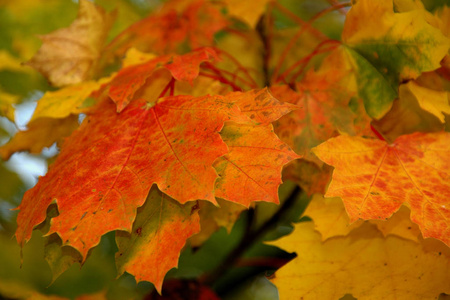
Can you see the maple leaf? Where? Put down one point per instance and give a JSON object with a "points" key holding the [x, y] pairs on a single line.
{"points": [[159, 233], [59, 257], [364, 264], [406, 116], [41, 133], [130, 79], [388, 48], [70, 55], [329, 216], [261, 106], [328, 105], [389, 175], [256, 155], [164, 32], [66, 101], [331, 219], [113, 159], [323, 97], [399, 224], [251, 170], [435, 102]]}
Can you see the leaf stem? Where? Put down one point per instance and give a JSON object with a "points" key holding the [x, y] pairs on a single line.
{"points": [[377, 133], [302, 29], [222, 79], [234, 76], [239, 66], [305, 60], [315, 52], [263, 29], [299, 21], [170, 86]]}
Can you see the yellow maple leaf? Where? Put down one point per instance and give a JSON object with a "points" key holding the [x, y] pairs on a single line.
{"points": [[42, 132], [364, 264], [330, 217], [68, 100], [435, 102]]}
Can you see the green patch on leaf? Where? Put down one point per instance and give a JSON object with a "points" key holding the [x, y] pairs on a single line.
{"points": [[374, 87]]}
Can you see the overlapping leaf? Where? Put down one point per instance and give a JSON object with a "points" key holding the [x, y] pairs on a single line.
{"points": [[111, 162], [323, 97], [199, 146], [41, 133], [328, 104], [159, 233], [387, 48], [251, 170], [399, 224], [261, 106], [406, 116], [130, 79], [329, 216], [330, 220], [66, 101], [394, 268], [435, 102], [374, 178], [70, 55], [244, 180]]}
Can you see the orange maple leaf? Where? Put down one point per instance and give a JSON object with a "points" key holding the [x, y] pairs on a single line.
{"points": [[374, 178], [183, 68], [106, 168], [243, 180], [324, 98]]}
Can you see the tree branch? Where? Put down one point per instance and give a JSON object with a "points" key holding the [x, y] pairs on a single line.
{"points": [[248, 239]]}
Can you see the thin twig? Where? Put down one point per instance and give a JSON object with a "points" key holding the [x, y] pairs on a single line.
{"points": [[239, 66], [299, 33], [221, 79], [262, 28], [248, 240]]}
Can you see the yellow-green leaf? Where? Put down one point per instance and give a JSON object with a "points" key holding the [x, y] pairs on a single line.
{"points": [[66, 101], [397, 46], [435, 102]]}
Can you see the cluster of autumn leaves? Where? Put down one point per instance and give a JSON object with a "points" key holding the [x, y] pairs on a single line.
{"points": [[171, 143]]}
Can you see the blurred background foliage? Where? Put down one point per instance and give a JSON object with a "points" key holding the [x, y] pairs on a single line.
{"points": [[21, 22]]}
